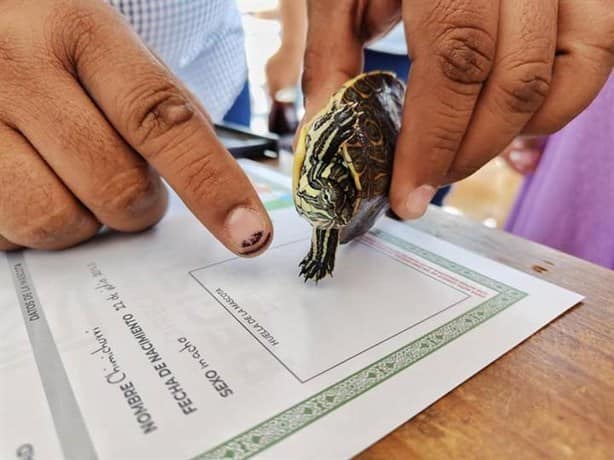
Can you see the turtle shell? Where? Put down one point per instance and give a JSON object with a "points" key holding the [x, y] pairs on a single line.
{"points": [[375, 100]]}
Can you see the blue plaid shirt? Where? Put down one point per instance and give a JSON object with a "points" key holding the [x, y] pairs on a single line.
{"points": [[200, 40]]}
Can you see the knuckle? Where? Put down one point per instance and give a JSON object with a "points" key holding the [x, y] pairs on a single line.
{"points": [[8, 50], [131, 199], [446, 139], [525, 86], [49, 228], [155, 111], [71, 29], [201, 175], [466, 54]]}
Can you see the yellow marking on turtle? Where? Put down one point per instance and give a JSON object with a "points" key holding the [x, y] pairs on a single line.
{"points": [[300, 151], [299, 158], [355, 176]]}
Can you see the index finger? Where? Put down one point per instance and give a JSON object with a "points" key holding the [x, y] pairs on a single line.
{"points": [[162, 121], [452, 46]]}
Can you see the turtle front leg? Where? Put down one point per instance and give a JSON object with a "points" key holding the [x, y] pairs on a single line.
{"points": [[320, 261]]}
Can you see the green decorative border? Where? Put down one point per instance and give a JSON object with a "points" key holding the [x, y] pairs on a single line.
{"points": [[461, 270], [284, 424]]}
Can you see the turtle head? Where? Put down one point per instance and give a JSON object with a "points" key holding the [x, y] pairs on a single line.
{"points": [[324, 188], [327, 204]]}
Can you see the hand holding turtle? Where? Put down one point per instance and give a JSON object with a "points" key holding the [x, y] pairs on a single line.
{"points": [[482, 73], [88, 118]]}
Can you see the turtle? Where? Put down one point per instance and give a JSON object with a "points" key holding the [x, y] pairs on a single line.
{"points": [[343, 165]]}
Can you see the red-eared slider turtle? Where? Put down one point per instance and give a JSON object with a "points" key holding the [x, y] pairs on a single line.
{"points": [[343, 165]]}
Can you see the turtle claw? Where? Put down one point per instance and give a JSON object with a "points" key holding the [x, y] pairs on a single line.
{"points": [[312, 269], [320, 260]]}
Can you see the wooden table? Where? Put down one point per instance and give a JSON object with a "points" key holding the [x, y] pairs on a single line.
{"points": [[550, 397]]}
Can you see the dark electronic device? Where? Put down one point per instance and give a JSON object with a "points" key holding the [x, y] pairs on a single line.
{"points": [[243, 143]]}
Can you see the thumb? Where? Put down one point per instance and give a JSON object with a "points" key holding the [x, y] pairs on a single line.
{"points": [[333, 54]]}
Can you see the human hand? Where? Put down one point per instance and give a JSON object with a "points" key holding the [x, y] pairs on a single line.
{"points": [[88, 117], [524, 153], [482, 72], [283, 70]]}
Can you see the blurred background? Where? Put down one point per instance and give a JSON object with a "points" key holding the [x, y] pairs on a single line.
{"points": [[486, 197]]}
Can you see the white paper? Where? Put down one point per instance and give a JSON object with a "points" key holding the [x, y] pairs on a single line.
{"points": [[165, 345]]}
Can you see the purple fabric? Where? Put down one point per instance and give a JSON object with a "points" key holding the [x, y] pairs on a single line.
{"points": [[568, 203]]}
